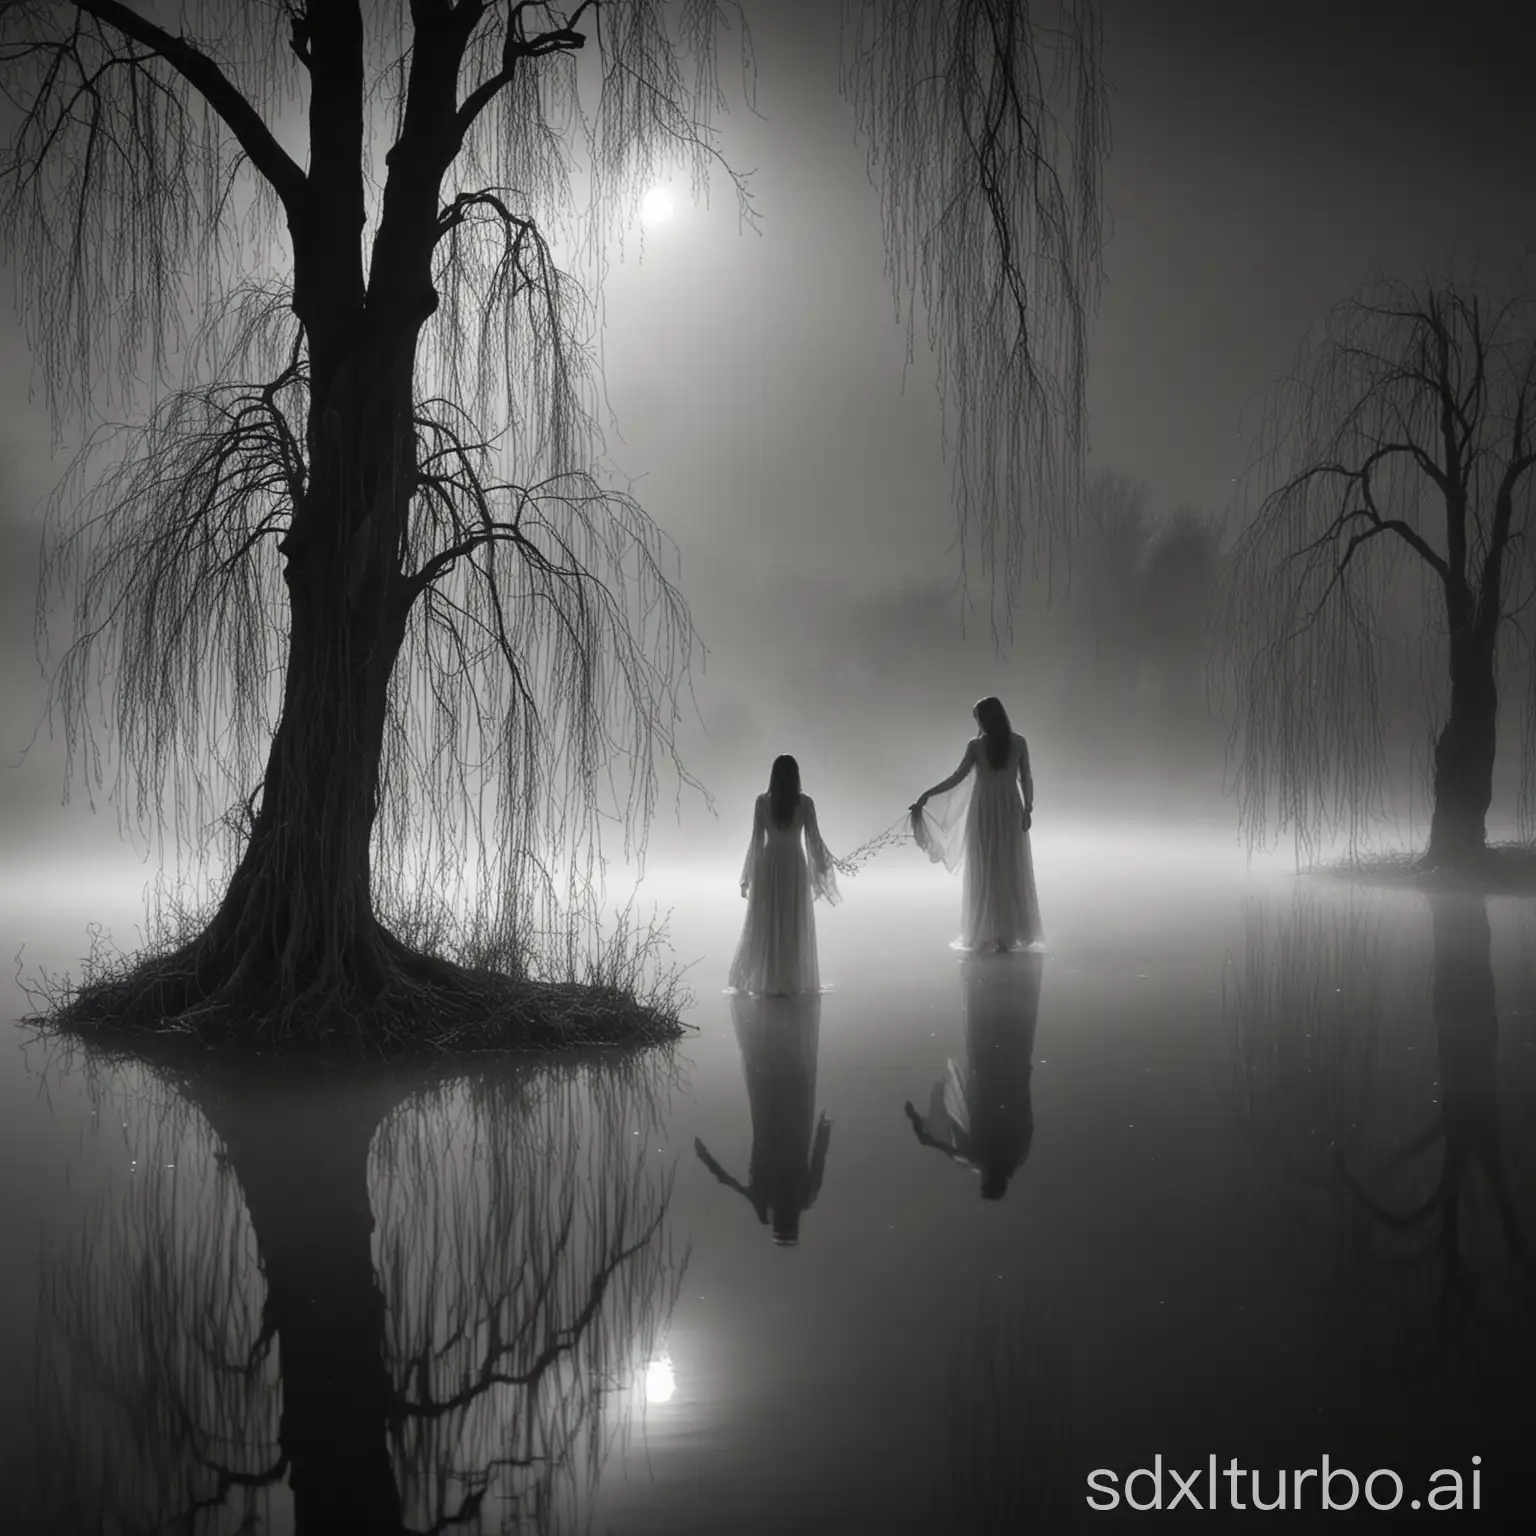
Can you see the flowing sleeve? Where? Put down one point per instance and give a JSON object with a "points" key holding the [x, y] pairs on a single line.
{"points": [[749, 869], [823, 876], [939, 827], [955, 1091], [1026, 778], [945, 1126]]}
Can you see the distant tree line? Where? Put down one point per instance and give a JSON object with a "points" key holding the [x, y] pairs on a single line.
{"points": [[1137, 624]]}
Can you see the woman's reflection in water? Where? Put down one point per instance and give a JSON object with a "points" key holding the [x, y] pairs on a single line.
{"points": [[779, 1037], [980, 1115]]}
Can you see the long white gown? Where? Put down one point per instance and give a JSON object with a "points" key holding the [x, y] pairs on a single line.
{"points": [[999, 905], [777, 952]]}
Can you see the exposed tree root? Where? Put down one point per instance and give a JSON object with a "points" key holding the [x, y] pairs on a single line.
{"points": [[426, 1003]]}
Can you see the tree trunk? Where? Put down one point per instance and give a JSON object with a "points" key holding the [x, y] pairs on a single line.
{"points": [[297, 922], [297, 929], [1464, 756], [297, 919]]}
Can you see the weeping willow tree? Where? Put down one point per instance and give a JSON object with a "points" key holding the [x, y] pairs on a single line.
{"points": [[1403, 446], [360, 583]]}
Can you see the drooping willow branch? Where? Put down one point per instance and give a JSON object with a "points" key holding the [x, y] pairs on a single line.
{"points": [[165, 539], [993, 230], [126, 188], [1389, 505], [546, 637]]}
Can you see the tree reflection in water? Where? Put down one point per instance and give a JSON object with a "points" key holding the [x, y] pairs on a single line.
{"points": [[1008, 1424], [360, 1303], [1338, 1064], [1463, 1130]]}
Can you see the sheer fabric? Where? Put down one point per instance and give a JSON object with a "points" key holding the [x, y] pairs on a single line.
{"points": [[777, 952], [939, 828], [978, 826]]}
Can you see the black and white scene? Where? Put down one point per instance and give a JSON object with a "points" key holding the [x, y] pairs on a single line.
{"points": [[767, 766]]}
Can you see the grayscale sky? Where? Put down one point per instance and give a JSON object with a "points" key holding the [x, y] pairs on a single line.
{"points": [[1266, 159]]}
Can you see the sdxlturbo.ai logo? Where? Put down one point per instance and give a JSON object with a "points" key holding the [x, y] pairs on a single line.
{"points": [[1336, 1488]]}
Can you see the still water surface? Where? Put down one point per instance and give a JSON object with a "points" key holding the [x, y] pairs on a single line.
{"points": [[1261, 1165]]}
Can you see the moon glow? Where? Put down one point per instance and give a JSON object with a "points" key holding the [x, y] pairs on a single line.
{"points": [[657, 206]]}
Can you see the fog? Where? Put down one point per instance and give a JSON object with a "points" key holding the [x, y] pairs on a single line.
{"points": [[1178, 1263], [1211, 1238], [765, 410]]}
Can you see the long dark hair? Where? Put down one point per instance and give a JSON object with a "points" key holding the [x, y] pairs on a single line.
{"points": [[993, 720], [783, 789]]}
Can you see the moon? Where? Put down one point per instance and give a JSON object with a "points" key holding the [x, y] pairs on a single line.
{"points": [[657, 206], [660, 1383]]}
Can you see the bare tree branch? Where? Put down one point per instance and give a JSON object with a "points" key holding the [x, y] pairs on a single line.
{"points": [[216, 88], [517, 46], [1408, 416]]}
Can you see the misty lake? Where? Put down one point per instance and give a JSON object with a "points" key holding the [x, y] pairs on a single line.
{"points": [[1270, 1159]]}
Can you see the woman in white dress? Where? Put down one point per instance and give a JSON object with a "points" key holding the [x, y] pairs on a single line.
{"points": [[780, 879], [999, 909]]}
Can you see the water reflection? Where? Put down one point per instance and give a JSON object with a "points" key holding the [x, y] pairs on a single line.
{"points": [[1396, 1114], [365, 1305], [1464, 1128], [1008, 1428], [779, 1039], [980, 1114]]}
